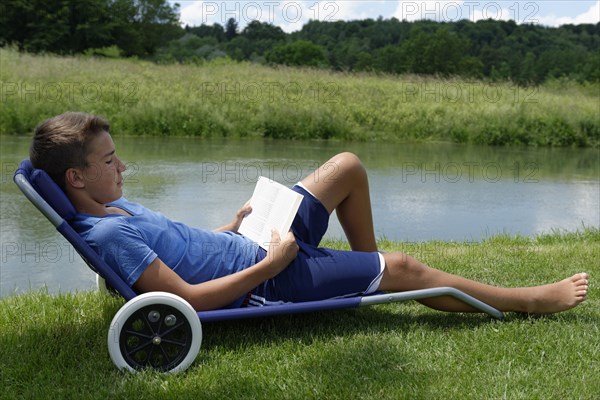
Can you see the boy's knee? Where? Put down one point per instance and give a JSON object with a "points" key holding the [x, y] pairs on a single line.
{"points": [[350, 163], [402, 264]]}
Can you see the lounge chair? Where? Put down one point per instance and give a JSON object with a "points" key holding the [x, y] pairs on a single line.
{"points": [[161, 330]]}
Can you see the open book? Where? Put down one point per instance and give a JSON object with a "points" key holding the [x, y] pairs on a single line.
{"points": [[274, 206]]}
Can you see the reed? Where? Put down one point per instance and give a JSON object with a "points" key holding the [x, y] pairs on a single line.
{"points": [[224, 98]]}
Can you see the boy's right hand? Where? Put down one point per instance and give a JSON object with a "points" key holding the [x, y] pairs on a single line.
{"points": [[281, 251]]}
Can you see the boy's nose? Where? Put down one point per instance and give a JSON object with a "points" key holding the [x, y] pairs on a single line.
{"points": [[122, 166]]}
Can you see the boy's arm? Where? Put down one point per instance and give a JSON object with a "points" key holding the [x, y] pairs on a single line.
{"points": [[219, 292]]}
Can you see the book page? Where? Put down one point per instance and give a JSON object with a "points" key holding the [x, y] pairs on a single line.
{"points": [[274, 206]]}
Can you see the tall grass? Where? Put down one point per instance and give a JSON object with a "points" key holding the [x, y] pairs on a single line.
{"points": [[247, 100], [55, 346]]}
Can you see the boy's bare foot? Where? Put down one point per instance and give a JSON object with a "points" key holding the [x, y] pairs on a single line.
{"points": [[559, 296]]}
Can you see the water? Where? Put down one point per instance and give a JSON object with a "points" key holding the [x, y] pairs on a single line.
{"points": [[419, 192]]}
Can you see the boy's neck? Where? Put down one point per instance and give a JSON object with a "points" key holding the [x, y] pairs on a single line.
{"points": [[85, 205]]}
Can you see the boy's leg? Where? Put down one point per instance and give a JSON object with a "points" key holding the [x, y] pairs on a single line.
{"points": [[403, 273], [341, 184]]}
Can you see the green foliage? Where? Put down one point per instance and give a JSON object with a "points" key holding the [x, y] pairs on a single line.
{"points": [[257, 30], [298, 53], [109, 52], [231, 29], [215, 31], [190, 49], [226, 98], [500, 50], [441, 52], [137, 27]]}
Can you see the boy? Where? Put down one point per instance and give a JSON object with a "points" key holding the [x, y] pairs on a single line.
{"points": [[215, 269]]}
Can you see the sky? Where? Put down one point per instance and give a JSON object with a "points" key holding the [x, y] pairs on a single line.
{"points": [[292, 15]]}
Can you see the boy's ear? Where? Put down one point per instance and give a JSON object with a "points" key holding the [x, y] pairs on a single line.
{"points": [[74, 178]]}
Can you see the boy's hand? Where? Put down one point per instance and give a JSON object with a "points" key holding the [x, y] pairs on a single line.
{"points": [[237, 220], [281, 251], [240, 215]]}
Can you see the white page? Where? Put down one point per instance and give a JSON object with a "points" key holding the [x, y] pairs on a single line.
{"points": [[274, 206]]}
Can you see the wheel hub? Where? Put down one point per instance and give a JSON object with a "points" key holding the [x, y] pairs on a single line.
{"points": [[157, 336]]}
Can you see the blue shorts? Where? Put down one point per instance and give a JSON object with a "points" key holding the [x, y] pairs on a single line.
{"points": [[318, 273]]}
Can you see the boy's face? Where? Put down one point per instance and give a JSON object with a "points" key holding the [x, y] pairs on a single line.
{"points": [[103, 175]]}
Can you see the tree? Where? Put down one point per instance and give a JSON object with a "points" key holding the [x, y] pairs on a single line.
{"points": [[89, 25], [364, 62], [215, 30], [526, 54], [442, 52], [527, 75], [239, 48], [231, 29], [140, 27], [72, 26], [390, 59], [35, 25], [591, 69], [298, 53], [501, 73], [257, 30]]}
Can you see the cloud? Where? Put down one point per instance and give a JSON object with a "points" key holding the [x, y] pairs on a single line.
{"points": [[591, 16], [495, 12], [191, 14], [346, 10], [451, 11], [291, 15], [294, 14], [431, 10], [196, 13]]}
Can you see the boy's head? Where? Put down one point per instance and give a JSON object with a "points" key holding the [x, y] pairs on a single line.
{"points": [[63, 142]]}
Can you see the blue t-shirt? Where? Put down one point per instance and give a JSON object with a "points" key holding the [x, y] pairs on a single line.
{"points": [[129, 244]]}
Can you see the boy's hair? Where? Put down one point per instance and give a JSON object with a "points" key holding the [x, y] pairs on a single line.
{"points": [[62, 142]]}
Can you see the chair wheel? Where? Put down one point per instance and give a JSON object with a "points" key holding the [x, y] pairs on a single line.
{"points": [[155, 330]]}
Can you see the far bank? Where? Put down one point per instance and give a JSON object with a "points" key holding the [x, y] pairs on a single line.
{"points": [[227, 99]]}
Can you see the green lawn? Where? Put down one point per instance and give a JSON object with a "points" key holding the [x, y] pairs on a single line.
{"points": [[55, 346]]}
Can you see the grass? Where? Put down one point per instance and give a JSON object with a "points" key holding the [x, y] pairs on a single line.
{"points": [[55, 346], [220, 99]]}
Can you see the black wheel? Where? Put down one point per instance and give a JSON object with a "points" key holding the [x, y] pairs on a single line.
{"points": [[155, 330]]}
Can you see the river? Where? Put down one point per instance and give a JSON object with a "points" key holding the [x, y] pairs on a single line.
{"points": [[419, 192]]}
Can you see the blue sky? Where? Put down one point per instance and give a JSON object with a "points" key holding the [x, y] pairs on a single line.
{"points": [[290, 15]]}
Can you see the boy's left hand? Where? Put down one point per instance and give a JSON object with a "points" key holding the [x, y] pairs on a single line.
{"points": [[240, 215], [237, 220]]}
